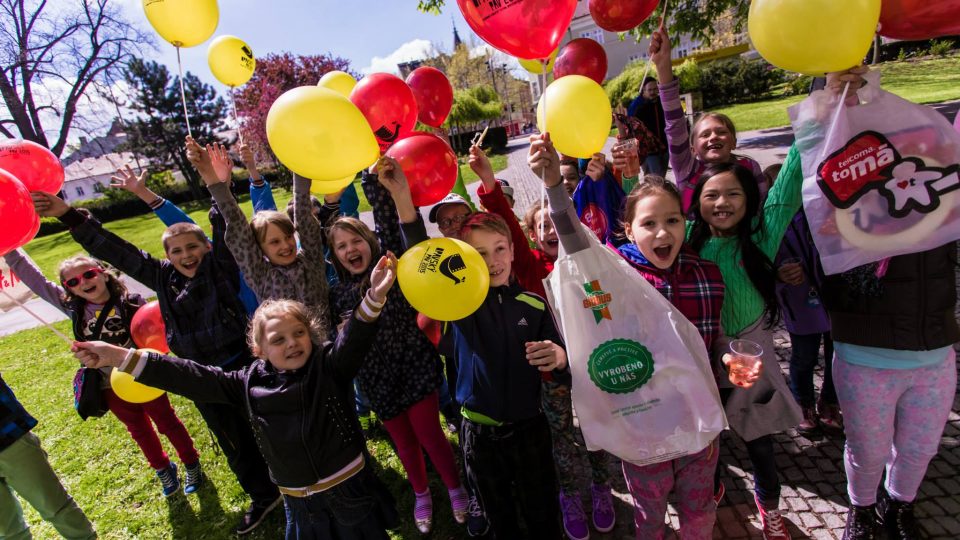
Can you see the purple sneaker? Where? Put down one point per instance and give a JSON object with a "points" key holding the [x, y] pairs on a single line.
{"points": [[604, 517], [574, 518]]}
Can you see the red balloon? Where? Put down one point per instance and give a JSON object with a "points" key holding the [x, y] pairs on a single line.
{"points": [[529, 29], [20, 221], [919, 19], [582, 56], [433, 93], [388, 105], [429, 164], [621, 15], [148, 329], [35, 166]]}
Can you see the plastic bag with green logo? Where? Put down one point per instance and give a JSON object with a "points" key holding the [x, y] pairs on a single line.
{"points": [[642, 385]]}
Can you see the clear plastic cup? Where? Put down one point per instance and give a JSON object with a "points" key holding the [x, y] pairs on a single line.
{"points": [[746, 362]]}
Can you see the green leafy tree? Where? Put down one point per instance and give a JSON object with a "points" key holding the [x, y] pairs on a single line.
{"points": [[474, 105], [159, 130]]}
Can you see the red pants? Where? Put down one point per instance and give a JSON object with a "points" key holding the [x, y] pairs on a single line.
{"points": [[420, 426], [137, 416]]}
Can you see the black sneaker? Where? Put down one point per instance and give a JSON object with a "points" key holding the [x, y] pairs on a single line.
{"points": [[896, 518], [477, 524], [169, 479], [861, 523], [255, 514], [193, 478]]}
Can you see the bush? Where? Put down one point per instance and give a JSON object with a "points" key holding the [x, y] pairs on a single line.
{"points": [[736, 81], [796, 84], [624, 87], [690, 74], [941, 47]]}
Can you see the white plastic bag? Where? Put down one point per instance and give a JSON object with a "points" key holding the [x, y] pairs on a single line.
{"points": [[883, 182], [642, 385]]}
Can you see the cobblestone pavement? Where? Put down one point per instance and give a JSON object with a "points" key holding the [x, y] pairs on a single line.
{"points": [[813, 495]]}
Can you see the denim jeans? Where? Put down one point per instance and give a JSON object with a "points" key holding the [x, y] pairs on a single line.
{"points": [[805, 351]]}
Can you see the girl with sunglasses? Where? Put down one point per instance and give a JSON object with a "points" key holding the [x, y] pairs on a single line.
{"points": [[100, 308]]}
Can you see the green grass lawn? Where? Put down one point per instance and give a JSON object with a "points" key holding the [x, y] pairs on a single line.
{"points": [[109, 478], [497, 161], [929, 80]]}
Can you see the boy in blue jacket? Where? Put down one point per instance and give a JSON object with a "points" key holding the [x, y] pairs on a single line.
{"points": [[502, 351]]}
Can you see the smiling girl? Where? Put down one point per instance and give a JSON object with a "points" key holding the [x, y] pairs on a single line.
{"points": [[100, 308], [402, 372], [713, 137]]}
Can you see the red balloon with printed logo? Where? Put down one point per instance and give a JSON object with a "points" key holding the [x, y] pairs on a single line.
{"points": [[148, 329], [582, 56], [20, 221], [35, 166], [529, 29], [621, 15], [919, 19], [429, 164], [388, 105], [433, 93]]}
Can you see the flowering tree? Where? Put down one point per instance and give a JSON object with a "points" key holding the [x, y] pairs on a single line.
{"points": [[275, 74]]}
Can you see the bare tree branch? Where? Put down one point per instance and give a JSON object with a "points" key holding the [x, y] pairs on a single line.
{"points": [[50, 54]]}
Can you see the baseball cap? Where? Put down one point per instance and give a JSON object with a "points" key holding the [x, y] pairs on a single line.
{"points": [[451, 198], [506, 187]]}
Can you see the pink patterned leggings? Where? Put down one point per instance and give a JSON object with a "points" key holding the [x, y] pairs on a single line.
{"points": [[893, 419]]}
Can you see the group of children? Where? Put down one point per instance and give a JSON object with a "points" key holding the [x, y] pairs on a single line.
{"points": [[270, 343]]}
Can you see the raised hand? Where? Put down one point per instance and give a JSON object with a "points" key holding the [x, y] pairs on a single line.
{"points": [[382, 277], [597, 167], [391, 176], [48, 205], [837, 80], [200, 159], [128, 180], [97, 354], [220, 159], [546, 355], [481, 166], [544, 160], [659, 51]]}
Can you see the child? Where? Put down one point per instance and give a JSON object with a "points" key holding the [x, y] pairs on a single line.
{"points": [[25, 469], [265, 249], [402, 372], [654, 224], [298, 397], [713, 138], [197, 288], [100, 308], [799, 282], [505, 437], [730, 229], [531, 267]]}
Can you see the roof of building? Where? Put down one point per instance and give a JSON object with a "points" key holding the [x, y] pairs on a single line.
{"points": [[97, 166]]}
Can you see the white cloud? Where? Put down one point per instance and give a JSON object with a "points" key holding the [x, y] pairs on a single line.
{"points": [[416, 49]]}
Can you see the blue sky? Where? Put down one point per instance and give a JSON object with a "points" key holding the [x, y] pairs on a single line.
{"points": [[362, 31]]}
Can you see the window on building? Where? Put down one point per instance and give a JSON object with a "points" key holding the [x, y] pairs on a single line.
{"points": [[596, 35], [99, 188], [80, 192]]}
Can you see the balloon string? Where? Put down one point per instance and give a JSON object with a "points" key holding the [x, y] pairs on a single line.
{"points": [[183, 94], [236, 117], [37, 317], [543, 173], [833, 123]]}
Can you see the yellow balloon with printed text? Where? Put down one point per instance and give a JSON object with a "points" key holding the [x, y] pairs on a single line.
{"points": [[813, 37], [319, 134], [231, 60], [338, 81], [129, 390], [576, 112], [443, 278], [184, 23]]}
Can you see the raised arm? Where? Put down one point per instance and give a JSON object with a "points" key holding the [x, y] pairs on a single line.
{"points": [[136, 184], [544, 161], [261, 195], [34, 279], [678, 137], [411, 223], [308, 228], [386, 222]]}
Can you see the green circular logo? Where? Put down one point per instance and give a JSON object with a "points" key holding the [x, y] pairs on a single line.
{"points": [[620, 366]]}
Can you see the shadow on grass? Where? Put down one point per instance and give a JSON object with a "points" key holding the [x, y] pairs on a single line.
{"points": [[184, 521]]}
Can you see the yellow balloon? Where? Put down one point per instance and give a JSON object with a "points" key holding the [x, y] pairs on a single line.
{"points": [[443, 278], [813, 36], [536, 67], [231, 60], [184, 23], [338, 81], [578, 115], [129, 390], [326, 187], [319, 134]]}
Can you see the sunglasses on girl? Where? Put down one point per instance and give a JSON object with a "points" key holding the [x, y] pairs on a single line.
{"points": [[89, 274]]}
